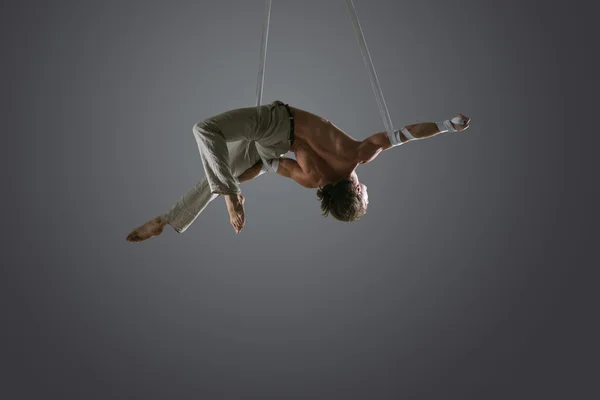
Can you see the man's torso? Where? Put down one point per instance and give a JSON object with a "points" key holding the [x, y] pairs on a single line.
{"points": [[328, 147]]}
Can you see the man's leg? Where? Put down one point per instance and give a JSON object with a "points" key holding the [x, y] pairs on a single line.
{"points": [[212, 136], [243, 155]]}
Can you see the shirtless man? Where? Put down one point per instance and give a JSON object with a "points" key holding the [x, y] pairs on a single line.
{"points": [[241, 144]]}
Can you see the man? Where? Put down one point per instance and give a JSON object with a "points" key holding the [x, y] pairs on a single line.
{"points": [[241, 144]]}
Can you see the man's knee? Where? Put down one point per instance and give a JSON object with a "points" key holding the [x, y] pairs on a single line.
{"points": [[197, 127], [200, 128]]}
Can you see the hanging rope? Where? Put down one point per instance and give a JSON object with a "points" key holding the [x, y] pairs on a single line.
{"points": [[263, 54], [385, 114], [362, 44]]}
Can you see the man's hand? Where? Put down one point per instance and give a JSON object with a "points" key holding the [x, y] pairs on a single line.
{"points": [[460, 122], [235, 206]]}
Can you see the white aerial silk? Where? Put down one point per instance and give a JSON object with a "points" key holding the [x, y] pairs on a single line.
{"points": [[263, 54]]}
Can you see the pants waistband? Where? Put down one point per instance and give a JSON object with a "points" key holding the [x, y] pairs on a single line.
{"points": [[292, 124]]}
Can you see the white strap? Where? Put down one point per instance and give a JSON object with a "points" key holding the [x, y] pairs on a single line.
{"points": [[270, 165], [408, 135], [263, 54], [275, 165], [445, 126], [385, 114], [397, 141]]}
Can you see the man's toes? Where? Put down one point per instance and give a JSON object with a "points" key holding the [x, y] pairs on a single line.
{"points": [[133, 237]]}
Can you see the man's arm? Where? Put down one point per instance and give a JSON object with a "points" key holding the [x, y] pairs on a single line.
{"points": [[287, 167], [290, 169], [251, 172], [372, 146]]}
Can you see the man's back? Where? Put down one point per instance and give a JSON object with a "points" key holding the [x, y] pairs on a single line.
{"points": [[321, 145]]}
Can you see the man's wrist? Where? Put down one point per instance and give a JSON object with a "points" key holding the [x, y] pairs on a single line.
{"points": [[445, 126]]}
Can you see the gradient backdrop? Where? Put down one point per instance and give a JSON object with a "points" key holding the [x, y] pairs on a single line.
{"points": [[471, 277]]}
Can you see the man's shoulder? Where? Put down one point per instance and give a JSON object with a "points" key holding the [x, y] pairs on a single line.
{"points": [[308, 115]]}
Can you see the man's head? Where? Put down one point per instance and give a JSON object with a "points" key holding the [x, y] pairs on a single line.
{"points": [[346, 200]]}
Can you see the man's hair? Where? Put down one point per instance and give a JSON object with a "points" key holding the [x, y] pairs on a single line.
{"points": [[341, 201]]}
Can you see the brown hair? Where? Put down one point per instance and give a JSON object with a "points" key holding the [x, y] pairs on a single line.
{"points": [[341, 200]]}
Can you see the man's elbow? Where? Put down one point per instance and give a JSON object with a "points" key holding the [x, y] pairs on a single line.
{"points": [[368, 150]]}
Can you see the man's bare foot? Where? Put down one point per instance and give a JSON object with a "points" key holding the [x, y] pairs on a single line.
{"points": [[154, 227]]}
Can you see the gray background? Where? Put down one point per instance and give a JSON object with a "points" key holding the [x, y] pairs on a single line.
{"points": [[472, 275]]}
